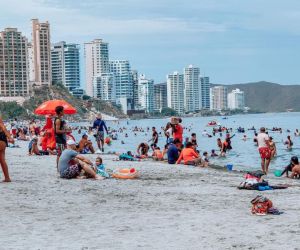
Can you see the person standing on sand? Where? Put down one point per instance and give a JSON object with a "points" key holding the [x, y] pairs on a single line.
{"points": [[5, 137], [60, 132], [100, 126], [264, 150]]}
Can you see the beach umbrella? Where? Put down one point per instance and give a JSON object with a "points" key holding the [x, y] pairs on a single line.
{"points": [[48, 108]]}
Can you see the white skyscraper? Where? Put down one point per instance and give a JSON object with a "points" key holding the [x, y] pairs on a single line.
{"points": [[123, 78], [192, 89], [104, 87], [205, 92], [219, 98], [96, 62], [175, 89], [146, 93], [236, 99]]}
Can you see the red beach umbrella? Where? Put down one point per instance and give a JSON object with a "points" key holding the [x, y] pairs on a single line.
{"points": [[48, 108]]}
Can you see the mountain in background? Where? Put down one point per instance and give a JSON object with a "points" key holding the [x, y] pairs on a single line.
{"points": [[269, 97]]}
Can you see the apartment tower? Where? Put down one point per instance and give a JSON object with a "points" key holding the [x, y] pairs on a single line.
{"points": [[96, 56], [13, 64], [41, 53]]}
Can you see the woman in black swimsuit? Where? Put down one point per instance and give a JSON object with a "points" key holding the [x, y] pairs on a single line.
{"points": [[4, 138]]}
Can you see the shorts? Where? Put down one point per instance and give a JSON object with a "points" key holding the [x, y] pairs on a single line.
{"points": [[71, 172], [265, 153], [59, 148], [99, 136]]}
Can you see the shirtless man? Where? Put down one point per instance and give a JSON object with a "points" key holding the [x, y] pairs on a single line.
{"points": [[85, 145], [264, 149]]}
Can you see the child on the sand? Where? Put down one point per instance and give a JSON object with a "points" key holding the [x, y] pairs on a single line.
{"points": [[99, 168]]}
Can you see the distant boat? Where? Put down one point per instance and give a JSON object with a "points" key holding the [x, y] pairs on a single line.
{"points": [[289, 110]]}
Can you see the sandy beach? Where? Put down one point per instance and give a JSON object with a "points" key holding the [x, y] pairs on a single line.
{"points": [[169, 207]]}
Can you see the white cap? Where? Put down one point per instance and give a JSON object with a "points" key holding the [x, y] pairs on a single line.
{"points": [[71, 142]]}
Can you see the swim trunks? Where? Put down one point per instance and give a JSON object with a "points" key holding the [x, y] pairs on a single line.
{"points": [[72, 171], [99, 136], [265, 152]]}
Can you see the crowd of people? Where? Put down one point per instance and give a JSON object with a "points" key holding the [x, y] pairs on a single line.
{"points": [[55, 138]]}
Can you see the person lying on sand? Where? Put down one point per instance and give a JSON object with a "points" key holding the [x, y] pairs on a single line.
{"points": [[189, 156], [71, 163]]}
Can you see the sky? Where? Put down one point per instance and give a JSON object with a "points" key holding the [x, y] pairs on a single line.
{"points": [[232, 41]]}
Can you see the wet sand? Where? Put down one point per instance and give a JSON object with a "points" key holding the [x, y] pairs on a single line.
{"points": [[169, 207]]}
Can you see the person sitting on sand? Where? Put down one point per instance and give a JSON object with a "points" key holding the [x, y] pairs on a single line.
{"points": [[85, 146], [157, 154], [34, 149], [205, 158], [71, 163], [296, 170], [143, 150], [289, 168], [189, 156], [173, 151], [99, 168], [288, 142]]}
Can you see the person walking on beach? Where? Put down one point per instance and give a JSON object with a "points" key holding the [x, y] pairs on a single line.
{"points": [[154, 139], [5, 137], [264, 149], [100, 126], [60, 132]]}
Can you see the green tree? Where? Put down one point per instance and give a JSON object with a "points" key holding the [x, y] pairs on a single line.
{"points": [[168, 112]]}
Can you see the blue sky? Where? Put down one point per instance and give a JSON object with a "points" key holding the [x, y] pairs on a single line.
{"points": [[232, 41]]}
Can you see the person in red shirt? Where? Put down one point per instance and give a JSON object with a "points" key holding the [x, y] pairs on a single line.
{"points": [[178, 131], [189, 156]]}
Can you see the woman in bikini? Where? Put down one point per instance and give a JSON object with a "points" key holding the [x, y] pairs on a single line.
{"points": [[5, 137]]}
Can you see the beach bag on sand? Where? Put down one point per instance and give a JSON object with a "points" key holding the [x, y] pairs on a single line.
{"points": [[261, 205]]}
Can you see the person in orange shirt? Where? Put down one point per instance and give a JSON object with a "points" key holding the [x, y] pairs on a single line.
{"points": [[189, 156], [178, 131], [157, 154]]}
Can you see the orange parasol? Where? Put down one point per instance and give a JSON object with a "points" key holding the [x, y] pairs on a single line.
{"points": [[48, 108]]}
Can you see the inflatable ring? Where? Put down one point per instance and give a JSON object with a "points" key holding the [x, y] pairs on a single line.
{"points": [[125, 173]]}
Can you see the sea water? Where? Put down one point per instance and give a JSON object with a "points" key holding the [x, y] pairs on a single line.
{"points": [[244, 154]]}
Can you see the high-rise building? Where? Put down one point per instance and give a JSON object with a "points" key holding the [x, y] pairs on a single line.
{"points": [[65, 65], [135, 86], [175, 89], [205, 92], [236, 99], [160, 96], [146, 93], [123, 77], [41, 47], [219, 98], [104, 87], [192, 89], [96, 62], [13, 64]]}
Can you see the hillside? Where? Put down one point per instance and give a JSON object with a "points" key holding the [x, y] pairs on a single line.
{"points": [[270, 97], [85, 108]]}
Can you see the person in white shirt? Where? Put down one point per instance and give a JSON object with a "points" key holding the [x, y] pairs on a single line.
{"points": [[264, 149]]}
